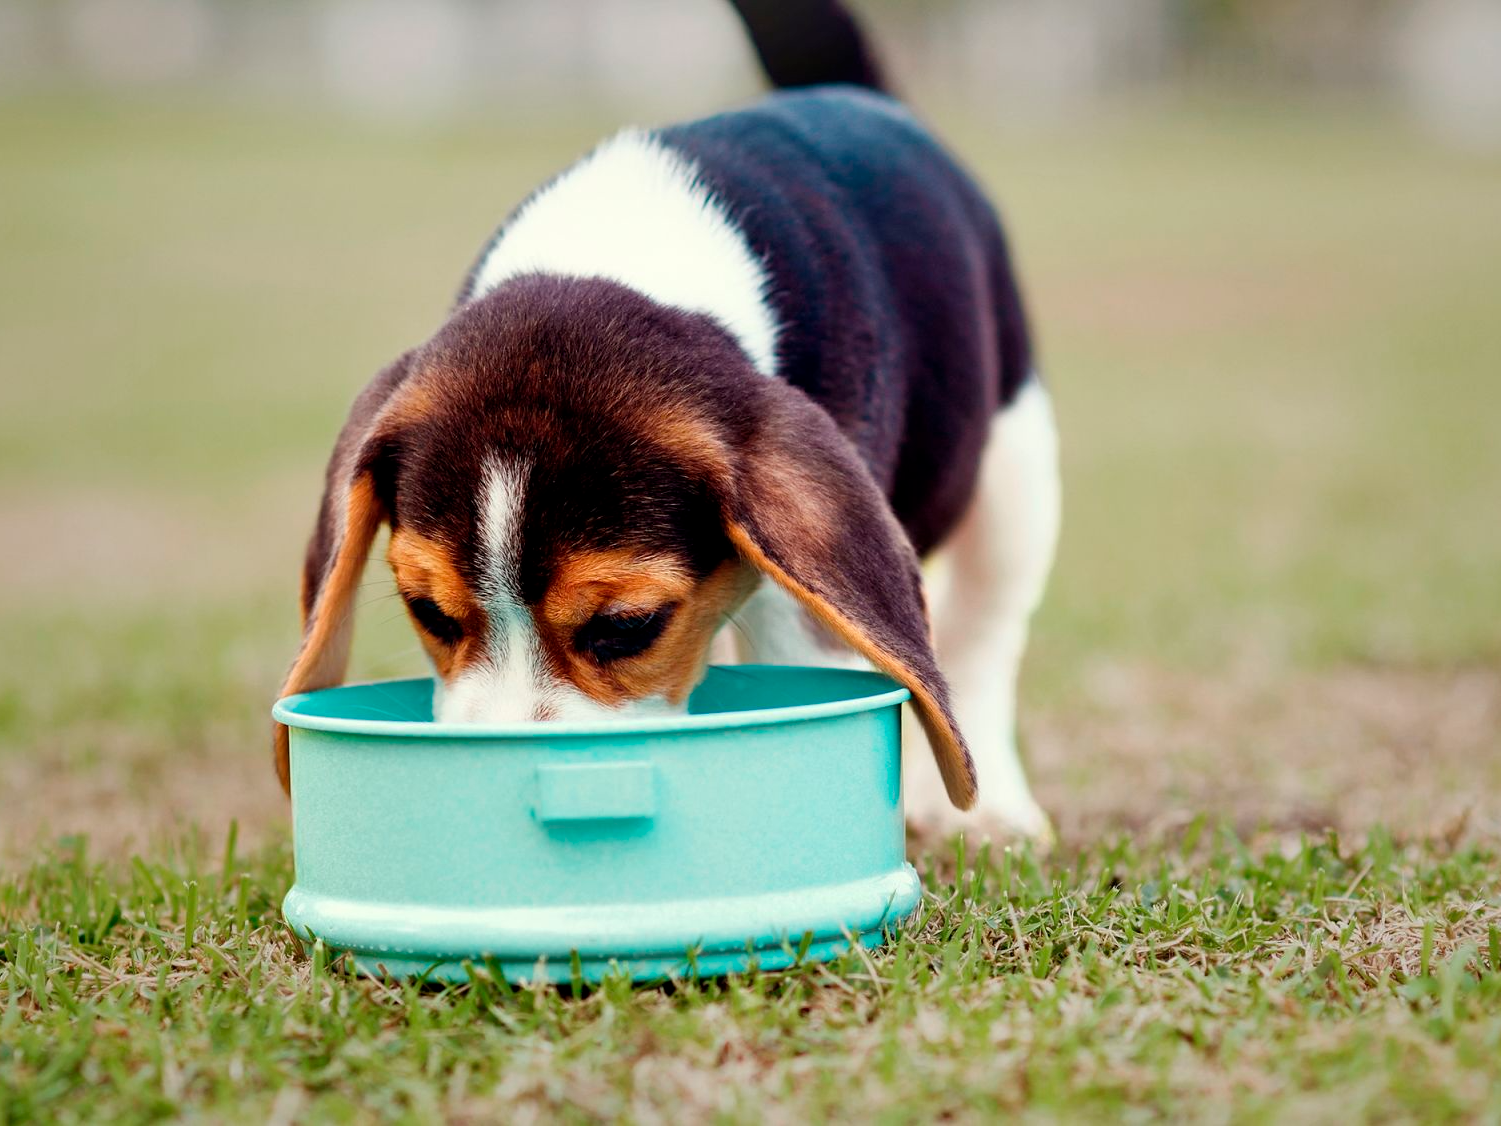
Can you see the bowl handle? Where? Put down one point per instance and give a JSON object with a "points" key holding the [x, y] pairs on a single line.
{"points": [[603, 791]]}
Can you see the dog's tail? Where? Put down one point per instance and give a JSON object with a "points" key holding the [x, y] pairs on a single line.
{"points": [[809, 43]]}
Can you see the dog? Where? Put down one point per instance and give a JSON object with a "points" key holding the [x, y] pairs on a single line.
{"points": [[745, 370]]}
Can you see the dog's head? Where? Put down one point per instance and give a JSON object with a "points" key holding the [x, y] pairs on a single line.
{"points": [[581, 486]]}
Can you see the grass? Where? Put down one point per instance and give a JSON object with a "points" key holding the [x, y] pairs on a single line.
{"points": [[1320, 982], [1262, 702]]}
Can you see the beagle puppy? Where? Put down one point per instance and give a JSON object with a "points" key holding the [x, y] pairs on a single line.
{"points": [[749, 369]]}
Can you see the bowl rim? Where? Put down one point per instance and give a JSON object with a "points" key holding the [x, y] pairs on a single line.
{"points": [[886, 693]]}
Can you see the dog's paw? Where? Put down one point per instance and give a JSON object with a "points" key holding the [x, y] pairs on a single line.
{"points": [[987, 823]]}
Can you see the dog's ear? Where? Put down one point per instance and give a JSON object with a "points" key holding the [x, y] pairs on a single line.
{"points": [[353, 507], [804, 510]]}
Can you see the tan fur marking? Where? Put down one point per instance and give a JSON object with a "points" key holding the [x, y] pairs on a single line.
{"points": [[413, 401], [593, 581], [688, 438], [328, 625], [424, 568], [324, 655], [675, 664], [586, 582], [942, 737]]}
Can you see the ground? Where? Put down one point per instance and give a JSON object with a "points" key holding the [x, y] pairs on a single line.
{"points": [[1263, 702]]}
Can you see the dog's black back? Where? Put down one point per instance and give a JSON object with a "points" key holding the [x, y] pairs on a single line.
{"points": [[890, 282]]}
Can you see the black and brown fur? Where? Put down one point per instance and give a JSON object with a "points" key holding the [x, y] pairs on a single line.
{"points": [[664, 472]]}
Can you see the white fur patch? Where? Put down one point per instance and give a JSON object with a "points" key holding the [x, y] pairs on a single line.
{"points": [[996, 566], [503, 493], [635, 212], [512, 683]]}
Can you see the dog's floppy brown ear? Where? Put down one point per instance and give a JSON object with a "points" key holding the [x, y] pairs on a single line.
{"points": [[349, 515], [804, 510]]}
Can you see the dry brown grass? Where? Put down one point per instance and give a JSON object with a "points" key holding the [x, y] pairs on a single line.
{"points": [[1416, 750]]}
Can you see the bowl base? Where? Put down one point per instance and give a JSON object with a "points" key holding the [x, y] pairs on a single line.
{"points": [[592, 971], [642, 941]]}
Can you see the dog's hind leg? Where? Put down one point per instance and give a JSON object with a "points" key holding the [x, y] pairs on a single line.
{"points": [[990, 577]]}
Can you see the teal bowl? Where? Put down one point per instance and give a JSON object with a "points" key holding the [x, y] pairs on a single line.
{"points": [[763, 827]]}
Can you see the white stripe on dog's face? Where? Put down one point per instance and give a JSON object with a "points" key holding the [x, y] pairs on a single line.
{"points": [[511, 682], [502, 497]]}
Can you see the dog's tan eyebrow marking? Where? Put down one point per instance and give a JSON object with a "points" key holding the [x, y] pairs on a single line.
{"points": [[424, 568], [675, 661], [587, 581]]}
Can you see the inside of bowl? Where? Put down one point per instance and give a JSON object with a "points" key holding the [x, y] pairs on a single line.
{"points": [[724, 689]]}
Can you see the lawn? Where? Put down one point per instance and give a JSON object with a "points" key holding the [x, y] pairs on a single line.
{"points": [[1263, 701]]}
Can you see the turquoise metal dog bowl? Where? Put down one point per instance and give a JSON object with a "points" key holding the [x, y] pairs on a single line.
{"points": [[762, 827]]}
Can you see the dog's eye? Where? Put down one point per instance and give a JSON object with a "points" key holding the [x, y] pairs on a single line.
{"points": [[435, 621], [609, 637]]}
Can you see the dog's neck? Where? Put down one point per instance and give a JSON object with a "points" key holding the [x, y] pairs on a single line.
{"points": [[636, 212]]}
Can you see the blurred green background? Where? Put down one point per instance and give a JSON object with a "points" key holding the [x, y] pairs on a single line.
{"points": [[1265, 282]]}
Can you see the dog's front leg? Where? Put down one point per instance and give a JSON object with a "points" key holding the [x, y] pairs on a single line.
{"points": [[992, 574]]}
